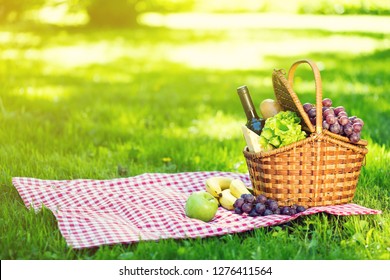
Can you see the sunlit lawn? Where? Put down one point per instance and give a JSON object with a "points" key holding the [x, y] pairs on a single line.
{"points": [[78, 103]]}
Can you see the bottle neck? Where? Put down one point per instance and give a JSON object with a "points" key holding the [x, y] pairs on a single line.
{"points": [[247, 103]]}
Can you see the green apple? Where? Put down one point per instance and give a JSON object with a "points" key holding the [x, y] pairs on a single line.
{"points": [[201, 205]]}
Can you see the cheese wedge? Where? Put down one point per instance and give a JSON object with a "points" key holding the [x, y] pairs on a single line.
{"points": [[251, 139]]}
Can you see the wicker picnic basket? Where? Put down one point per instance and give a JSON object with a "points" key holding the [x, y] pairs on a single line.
{"points": [[321, 170]]}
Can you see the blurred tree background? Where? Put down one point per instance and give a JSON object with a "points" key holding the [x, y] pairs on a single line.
{"points": [[125, 12]]}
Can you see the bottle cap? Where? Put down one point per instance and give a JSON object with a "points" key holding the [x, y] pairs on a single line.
{"points": [[242, 89]]}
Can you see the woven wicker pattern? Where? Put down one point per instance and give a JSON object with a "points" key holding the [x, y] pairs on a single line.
{"points": [[288, 100], [320, 170]]}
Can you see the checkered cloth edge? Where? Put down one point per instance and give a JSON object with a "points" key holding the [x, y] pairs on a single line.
{"points": [[144, 207]]}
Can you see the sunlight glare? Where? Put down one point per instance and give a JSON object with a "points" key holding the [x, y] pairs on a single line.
{"points": [[233, 55], [344, 23], [237, 54], [219, 127], [19, 38], [59, 14], [87, 54], [50, 93], [221, 55]]}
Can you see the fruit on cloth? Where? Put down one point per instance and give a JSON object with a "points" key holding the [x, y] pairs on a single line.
{"points": [[336, 120], [224, 182], [263, 206], [280, 130], [215, 185], [269, 108], [226, 190], [227, 200], [238, 188], [201, 205]]}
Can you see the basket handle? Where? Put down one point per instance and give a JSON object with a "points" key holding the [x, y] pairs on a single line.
{"points": [[318, 85]]}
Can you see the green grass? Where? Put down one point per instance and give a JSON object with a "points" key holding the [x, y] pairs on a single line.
{"points": [[78, 103]]}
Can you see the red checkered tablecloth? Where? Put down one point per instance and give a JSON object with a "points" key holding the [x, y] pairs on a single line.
{"points": [[145, 207]]}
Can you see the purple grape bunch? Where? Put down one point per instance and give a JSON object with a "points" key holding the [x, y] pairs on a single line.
{"points": [[336, 120], [262, 206]]}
